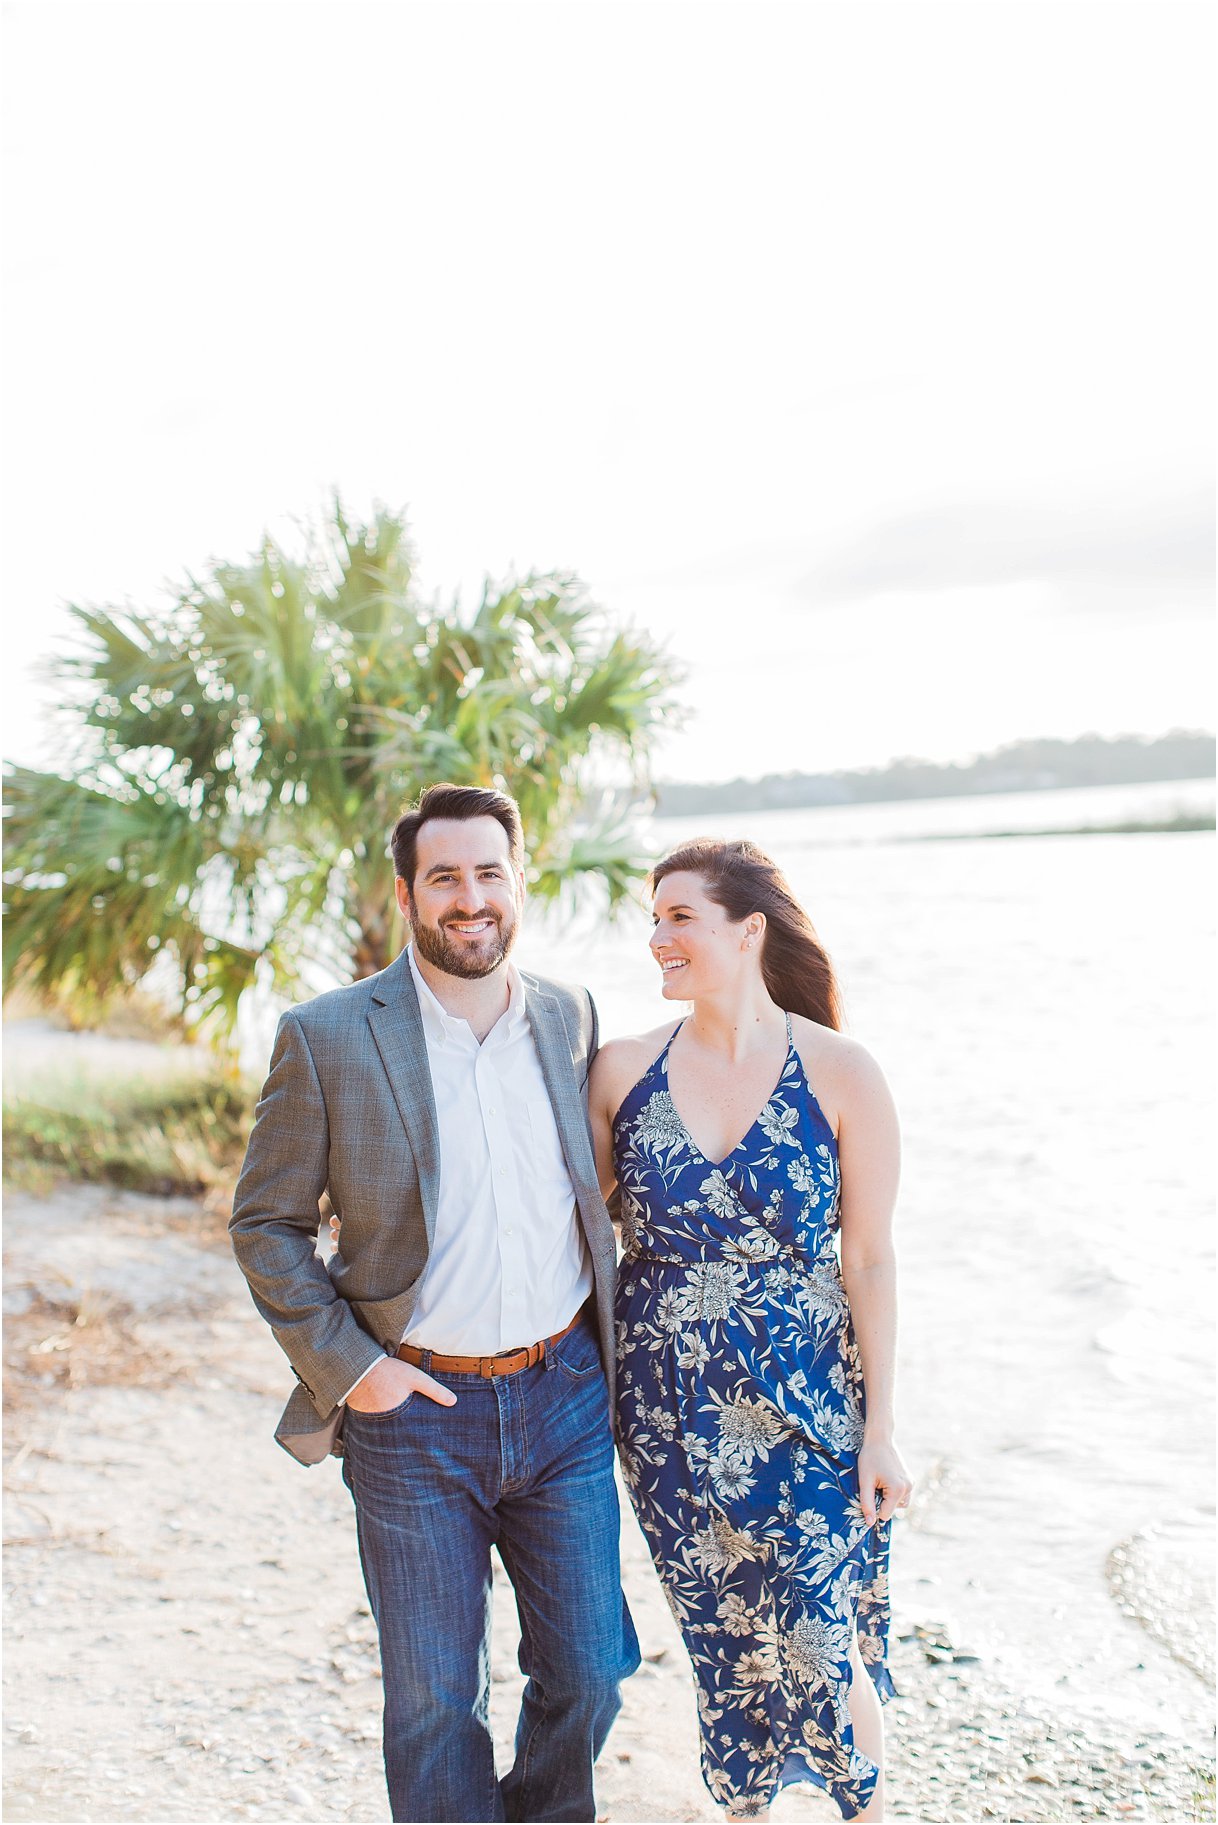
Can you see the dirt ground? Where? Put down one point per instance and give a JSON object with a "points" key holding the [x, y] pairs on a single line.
{"points": [[187, 1635]]}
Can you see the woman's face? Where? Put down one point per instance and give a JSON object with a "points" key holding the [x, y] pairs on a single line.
{"points": [[698, 948]]}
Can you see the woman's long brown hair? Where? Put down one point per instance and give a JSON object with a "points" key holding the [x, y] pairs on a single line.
{"points": [[742, 879]]}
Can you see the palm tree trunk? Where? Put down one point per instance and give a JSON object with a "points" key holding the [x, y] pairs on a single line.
{"points": [[374, 949]]}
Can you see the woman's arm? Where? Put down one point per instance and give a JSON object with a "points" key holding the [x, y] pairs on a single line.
{"points": [[869, 1150], [616, 1068], [603, 1102]]}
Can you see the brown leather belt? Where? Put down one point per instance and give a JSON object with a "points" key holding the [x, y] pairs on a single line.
{"points": [[507, 1362]]}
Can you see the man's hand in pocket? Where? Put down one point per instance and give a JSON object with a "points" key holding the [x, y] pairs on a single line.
{"points": [[387, 1384]]}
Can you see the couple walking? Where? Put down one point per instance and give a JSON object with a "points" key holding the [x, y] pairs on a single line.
{"points": [[474, 1345]]}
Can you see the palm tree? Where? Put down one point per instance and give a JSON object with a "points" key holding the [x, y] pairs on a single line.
{"points": [[243, 755]]}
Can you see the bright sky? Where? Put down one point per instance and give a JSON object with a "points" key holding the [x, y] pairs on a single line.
{"points": [[862, 352]]}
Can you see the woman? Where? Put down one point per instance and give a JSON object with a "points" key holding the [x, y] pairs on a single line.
{"points": [[743, 1139]]}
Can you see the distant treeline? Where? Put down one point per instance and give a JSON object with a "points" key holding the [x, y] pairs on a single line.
{"points": [[1022, 766]]}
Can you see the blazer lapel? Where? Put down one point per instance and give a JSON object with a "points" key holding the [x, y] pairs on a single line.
{"points": [[397, 1028], [557, 1067]]}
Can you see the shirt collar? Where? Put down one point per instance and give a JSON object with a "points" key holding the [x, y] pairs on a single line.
{"points": [[448, 1028]]}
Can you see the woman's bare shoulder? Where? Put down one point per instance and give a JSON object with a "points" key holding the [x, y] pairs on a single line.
{"points": [[619, 1063], [836, 1048], [631, 1046], [839, 1068]]}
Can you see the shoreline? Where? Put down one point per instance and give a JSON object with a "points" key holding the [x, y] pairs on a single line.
{"points": [[185, 1603], [1186, 823]]}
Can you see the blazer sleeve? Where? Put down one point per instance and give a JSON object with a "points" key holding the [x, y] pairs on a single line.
{"points": [[275, 1222], [594, 1034]]}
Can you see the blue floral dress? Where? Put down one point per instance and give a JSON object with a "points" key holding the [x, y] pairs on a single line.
{"points": [[740, 1415]]}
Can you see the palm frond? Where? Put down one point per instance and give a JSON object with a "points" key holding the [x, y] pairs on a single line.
{"points": [[597, 839], [246, 746]]}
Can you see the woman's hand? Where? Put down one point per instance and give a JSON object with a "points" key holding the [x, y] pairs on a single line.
{"points": [[884, 1483], [336, 1224]]}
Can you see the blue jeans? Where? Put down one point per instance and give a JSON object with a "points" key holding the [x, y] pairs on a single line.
{"points": [[523, 1462]]}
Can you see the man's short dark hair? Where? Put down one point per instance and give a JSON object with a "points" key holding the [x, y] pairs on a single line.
{"points": [[458, 802]]}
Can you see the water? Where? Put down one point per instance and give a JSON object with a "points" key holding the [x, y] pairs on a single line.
{"points": [[1042, 1007], [1043, 1010], [1078, 807]]}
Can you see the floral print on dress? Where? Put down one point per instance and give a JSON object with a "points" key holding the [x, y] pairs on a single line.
{"points": [[740, 1416]]}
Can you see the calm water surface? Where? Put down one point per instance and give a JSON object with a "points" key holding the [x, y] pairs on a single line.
{"points": [[1043, 1009]]}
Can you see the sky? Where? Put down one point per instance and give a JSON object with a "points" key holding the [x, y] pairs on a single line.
{"points": [[861, 353]]}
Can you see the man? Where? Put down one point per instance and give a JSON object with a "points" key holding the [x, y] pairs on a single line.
{"points": [[453, 1347]]}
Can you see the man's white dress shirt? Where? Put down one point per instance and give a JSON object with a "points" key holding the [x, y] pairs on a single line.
{"points": [[508, 1262]]}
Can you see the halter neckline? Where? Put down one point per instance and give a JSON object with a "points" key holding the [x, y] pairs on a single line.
{"points": [[661, 1064]]}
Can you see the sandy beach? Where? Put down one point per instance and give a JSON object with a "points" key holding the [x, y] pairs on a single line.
{"points": [[187, 1632]]}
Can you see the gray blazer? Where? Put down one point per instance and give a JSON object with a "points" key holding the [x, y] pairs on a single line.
{"points": [[348, 1108]]}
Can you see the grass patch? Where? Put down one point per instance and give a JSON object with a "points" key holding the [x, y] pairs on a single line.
{"points": [[179, 1135], [1203, 1793]]}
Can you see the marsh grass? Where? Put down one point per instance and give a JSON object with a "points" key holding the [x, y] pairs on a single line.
{"points": [[177, 1132]]}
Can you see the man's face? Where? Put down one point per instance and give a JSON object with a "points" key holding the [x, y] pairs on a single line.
{"points": [[465, 904]]}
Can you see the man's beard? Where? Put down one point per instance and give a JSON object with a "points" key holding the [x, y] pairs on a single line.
{"points": [[462, 959]]}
